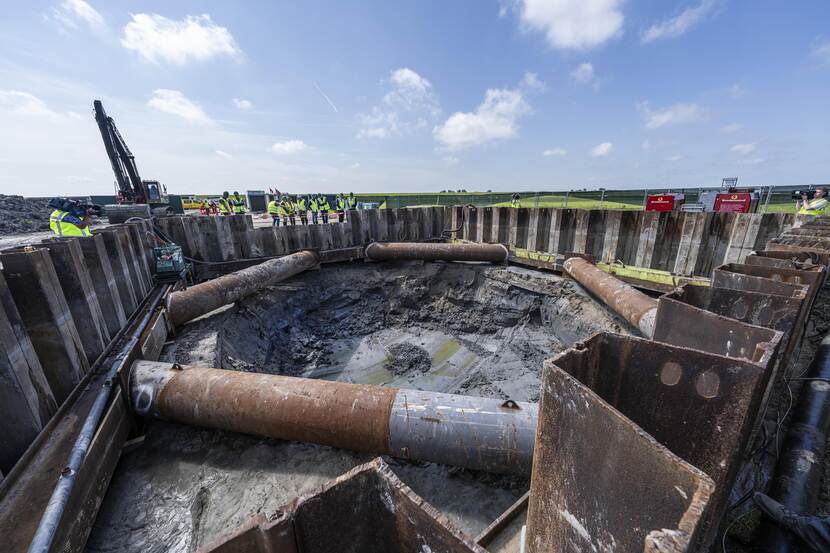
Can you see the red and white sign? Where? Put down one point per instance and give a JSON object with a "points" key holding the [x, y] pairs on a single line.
{"points": [[738, 202], [663, 202]]}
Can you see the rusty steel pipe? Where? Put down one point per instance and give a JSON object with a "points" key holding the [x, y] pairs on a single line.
{"points": [[436, 251], [471, 432], [186, 305], [628, 302]]}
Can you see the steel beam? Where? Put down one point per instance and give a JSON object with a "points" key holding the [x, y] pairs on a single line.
{"points": [[186, 305], [476, 433], [628, 302], [436, 251]]}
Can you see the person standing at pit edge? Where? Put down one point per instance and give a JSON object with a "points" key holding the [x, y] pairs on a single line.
{"points": [[325, 207], [302, 209], [352, 201], [314, 204], [238, 203], [225, 204], [274, 211], [816, 206], [515, 201], [341, 207]]}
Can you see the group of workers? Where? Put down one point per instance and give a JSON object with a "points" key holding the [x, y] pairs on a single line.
{"points": [[285, 207], [226, 205]]}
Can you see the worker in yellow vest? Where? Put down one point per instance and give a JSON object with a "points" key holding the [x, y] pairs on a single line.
{"points": [[341, 207], [325, 207], [815, 206], [314, 204], [290, 210], [301, 208], [225, 204], [238, 203], [69, 218], [274, 211]]}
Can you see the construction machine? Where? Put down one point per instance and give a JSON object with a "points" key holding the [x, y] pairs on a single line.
{"points": [[135, 197]]}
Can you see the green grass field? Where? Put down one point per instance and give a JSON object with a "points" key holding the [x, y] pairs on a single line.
{"points": [[627, 199]]}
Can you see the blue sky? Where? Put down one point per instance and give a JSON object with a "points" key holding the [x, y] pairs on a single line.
{"points": [[416, 96]]}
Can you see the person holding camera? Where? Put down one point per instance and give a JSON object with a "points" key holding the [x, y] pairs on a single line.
{"points": [[70, 217], [814, 206]]}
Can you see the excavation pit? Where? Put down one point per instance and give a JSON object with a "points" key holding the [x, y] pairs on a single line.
{"points": [[459, 328]]}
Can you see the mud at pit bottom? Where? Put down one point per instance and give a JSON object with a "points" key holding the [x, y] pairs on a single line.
{"points": [[458, 328]]}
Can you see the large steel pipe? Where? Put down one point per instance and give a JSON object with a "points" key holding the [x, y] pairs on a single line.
{"points": [[798, 474], [186, 305], [476, 433], [628, 302], [436, 251]]}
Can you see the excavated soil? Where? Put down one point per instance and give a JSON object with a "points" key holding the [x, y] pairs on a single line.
{"points": [[459, 328], [20, 215]]}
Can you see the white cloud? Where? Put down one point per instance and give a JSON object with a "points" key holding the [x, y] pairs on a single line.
{"points": [[743, 149], [672, 115], [410, 91], [72, 12], [555, 152], [195, 38], [602, 150], [646, 146], [584, 73], [289, 147], [495, 119], [405, 108], [736, 91], [450, 160], [680, 24], [223, 154], [16, 102], [176, 103], [355, 165], [821, 51], [674, 158], [732, 127], [573, 24], [532, 81], [241, 103]]}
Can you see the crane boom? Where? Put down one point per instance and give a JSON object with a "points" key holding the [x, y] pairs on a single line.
{"points": [[130, 186]]}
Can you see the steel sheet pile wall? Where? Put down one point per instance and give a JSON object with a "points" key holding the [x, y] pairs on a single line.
{"points": [[366, 510], [682, 243], [234, 237], [698, 390], [61, 301]]}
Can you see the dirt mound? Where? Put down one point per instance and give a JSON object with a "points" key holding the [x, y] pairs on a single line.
{"points": [[19, 214], [406, 358]]}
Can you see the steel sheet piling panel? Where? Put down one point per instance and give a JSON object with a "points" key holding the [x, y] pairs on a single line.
{"points": [[600, 483], [701, 406], [477, 433]]}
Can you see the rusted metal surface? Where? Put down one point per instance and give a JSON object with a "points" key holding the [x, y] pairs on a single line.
{"points": [[26, 490], [802, 261], [437, 251], [366, 510], [631, 304], [492, 435], [471, 432], [601, 482], [699, 405], [186, 305], [722, 277], [350, 416], [516, 510], [811, 279], [681, 324]]}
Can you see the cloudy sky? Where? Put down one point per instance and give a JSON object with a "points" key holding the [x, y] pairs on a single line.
{"points": [[416, 95]]}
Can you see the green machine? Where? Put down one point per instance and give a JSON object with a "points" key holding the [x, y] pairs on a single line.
{"points": [[170, 264]]}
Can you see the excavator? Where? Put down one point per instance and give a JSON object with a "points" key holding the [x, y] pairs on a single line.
{"points": [[135, 197]]}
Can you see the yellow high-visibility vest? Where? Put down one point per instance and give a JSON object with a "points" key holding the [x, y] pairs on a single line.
{"points": [[65, 228]]}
